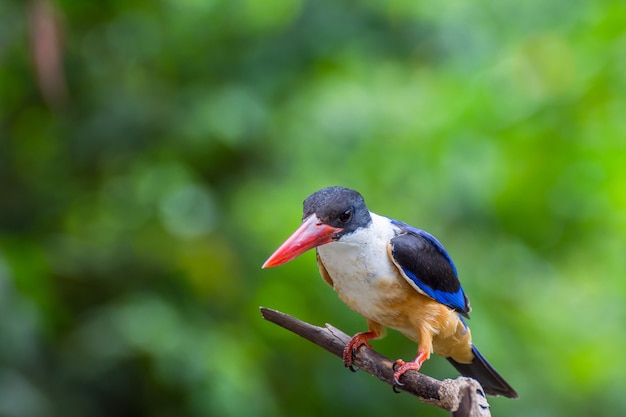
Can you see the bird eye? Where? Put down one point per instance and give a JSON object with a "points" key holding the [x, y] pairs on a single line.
{"points": [[346, 216]]}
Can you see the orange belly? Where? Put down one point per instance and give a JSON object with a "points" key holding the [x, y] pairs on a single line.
{"points": [[432, 325], [389, 301]]}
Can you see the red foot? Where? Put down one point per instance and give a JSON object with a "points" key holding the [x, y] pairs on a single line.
{"points": [[422, 356], [357, 340]]}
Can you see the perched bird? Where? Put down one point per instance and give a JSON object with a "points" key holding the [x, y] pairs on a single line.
{"points": [[395, 276]]}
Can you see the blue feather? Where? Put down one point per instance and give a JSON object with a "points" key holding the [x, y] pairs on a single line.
{"points": [[455, 300], [435, 275]]}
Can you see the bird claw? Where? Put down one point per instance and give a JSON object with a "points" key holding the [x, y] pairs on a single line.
{"points": [[397, 366], [408, 366], [352, 368], [357, 341]]}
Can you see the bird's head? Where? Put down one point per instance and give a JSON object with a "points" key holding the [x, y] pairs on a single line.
{"points": [[328, 214]]}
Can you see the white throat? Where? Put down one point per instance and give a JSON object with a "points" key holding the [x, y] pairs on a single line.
{"points": [[359, 264]]}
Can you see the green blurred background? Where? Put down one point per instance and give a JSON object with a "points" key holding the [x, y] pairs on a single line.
{"points": [[154, 153]]}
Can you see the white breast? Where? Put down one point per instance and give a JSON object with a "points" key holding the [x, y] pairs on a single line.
{"points": [[362, 273]]}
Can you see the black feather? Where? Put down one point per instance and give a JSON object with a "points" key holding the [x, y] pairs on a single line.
{"points": [[491, 381]]}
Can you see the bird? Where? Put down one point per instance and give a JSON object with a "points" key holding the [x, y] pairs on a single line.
{"points": [[394, 275]]}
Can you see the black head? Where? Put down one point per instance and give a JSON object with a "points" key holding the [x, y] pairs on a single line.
{"points": [[338, 207], [329, 214]]}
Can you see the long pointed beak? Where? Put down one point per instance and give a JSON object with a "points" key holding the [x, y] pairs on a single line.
{"points": [[312, 233]]}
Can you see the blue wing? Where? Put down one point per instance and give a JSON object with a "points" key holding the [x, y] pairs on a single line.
{"points": [[426, 265]]}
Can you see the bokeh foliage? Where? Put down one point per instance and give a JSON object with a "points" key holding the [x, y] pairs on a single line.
{"points": [[137, 207]]}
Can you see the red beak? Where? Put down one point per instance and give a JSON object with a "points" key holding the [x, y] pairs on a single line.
{"points": [[311, 234]]}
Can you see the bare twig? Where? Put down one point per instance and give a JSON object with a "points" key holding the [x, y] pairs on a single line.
{"points": [[463, 397]]}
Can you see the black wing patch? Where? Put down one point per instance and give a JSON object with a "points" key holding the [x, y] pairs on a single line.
{"points": [[426, 265]]}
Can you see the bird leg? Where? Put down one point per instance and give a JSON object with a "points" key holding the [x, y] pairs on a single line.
{"points": [[357, 341], [415, 365], [374, 331]]}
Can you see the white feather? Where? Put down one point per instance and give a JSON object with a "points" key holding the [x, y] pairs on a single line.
{"points": [[359, 265]]}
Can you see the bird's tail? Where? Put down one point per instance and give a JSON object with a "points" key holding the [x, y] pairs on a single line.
{"points": [[483, 372]]}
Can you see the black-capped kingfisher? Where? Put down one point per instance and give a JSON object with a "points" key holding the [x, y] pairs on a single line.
{"points": [[394, 275]]}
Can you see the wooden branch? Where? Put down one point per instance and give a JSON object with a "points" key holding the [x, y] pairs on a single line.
{"points": [[463, 397]]}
